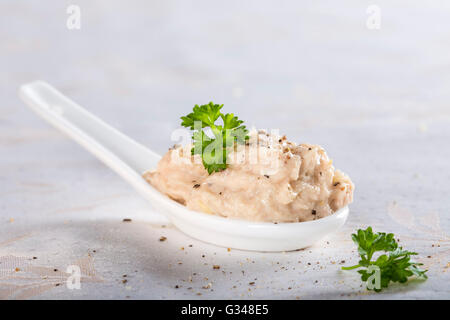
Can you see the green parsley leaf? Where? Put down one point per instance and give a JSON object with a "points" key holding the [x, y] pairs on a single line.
{"points": [[207, 114], [394, 264], [214, 148]]}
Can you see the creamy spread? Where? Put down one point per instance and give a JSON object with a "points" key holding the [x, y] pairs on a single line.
{"points": [[267, 179]]}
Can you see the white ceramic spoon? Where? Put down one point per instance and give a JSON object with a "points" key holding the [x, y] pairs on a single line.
{"points": [[130, 159]]}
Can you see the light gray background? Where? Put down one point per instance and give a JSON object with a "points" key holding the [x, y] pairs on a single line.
{"points": [[377, 100]]}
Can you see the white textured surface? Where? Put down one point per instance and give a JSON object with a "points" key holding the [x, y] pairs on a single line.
{"points": [[378, 101]]}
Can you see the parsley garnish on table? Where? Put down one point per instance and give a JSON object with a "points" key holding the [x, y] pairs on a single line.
{"points": [[214, 147], [394, 264]]}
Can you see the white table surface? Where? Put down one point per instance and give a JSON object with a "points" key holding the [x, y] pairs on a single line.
{"points": [[377, 100]]}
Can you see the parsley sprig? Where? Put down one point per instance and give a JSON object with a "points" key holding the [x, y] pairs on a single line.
{"points": [[395, 264], [214, 149]]}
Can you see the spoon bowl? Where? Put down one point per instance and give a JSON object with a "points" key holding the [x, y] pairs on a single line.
{"points": [[130, 160]]}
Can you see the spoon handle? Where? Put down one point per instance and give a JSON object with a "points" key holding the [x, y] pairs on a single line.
{"points": [[122, 154]]}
